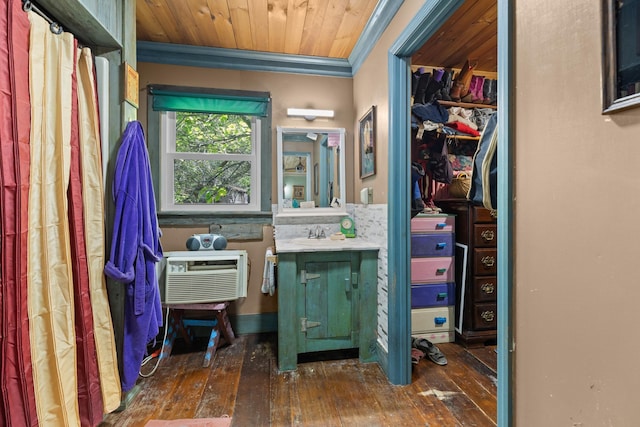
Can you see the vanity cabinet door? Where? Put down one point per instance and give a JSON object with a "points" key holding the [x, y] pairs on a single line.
{"points": [[327, 303]]}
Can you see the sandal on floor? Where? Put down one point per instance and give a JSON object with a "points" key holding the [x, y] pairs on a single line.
{"points": [[431, 350], [416, 356]]}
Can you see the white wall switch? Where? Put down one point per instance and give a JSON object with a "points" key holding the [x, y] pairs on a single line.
{"points": [[366, 196]]}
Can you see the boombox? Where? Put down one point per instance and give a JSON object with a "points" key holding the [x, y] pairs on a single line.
{"points": [[206, 242]]}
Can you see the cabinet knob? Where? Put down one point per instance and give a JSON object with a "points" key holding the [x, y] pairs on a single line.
{"points": [[488, 261], [488, 315], [441, 271], [440, 320], [487, 235], [441, 245], [488, 288]]}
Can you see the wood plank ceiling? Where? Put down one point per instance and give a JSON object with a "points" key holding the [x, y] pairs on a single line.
{"points": [[323, 28], [470, 33]]}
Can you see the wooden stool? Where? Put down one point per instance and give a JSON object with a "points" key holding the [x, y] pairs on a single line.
{"points": [[178, 324]]}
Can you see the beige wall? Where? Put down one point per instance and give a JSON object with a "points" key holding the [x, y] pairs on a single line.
{"points": [[287, 90], [576, 222]]}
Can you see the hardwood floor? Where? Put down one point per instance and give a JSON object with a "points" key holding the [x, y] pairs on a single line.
{"points": [[243, 382]]}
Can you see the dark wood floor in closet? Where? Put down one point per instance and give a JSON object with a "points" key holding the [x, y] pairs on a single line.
{"points": [[243, 382]]}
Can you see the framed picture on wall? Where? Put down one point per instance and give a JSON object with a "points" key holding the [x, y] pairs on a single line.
{"points": [[298, 192], [621, 55], [367, 138]]}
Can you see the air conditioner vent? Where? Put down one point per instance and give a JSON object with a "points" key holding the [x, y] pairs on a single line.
{"points": [[190, 277]]}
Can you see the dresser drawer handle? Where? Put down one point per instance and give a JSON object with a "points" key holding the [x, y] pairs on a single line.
{"points": [[440, 320], [487, 235], [488, 261], [441, 225], [488, 288], [488, 315], [441, 245], [441, 271], [442, 295]]}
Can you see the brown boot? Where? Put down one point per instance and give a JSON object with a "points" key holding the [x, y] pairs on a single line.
{"points": [[462, 82]]}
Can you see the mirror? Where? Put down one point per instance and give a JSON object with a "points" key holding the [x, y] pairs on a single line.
{"points": [[311, 170]]}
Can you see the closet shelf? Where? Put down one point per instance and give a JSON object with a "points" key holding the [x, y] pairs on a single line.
{"points": [[461, 137], [465, 104]]}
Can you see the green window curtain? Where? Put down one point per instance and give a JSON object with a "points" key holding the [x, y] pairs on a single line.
{"points": [[209, 102]]}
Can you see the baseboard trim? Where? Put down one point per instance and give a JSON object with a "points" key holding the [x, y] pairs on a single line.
{"points": [[383, 359], [254, 323]]}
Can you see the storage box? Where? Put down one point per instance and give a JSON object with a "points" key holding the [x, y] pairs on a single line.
{"points": [[433, 295], [432, 245], [432, 223], [432, 270], [432, 320]]}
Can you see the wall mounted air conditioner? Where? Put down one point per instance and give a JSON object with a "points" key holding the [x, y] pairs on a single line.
{"points": [[187, 277]]}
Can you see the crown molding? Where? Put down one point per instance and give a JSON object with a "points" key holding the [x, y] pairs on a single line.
{"points": [[382, 15], [209, 57]]}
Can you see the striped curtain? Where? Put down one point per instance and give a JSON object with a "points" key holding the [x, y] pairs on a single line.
{"points": [[58, 361], [16, 380]]}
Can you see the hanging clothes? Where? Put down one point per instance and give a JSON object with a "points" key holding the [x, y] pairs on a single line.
{"points": [[269, 276], [135, 249]]}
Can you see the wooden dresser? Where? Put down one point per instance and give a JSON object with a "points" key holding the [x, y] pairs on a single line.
{"points": [[476, 296]]}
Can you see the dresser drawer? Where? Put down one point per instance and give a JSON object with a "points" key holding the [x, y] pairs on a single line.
{"points": [[485, 316], [429, 224], [485, 289], [428, 270], [432, 245], [424, 320], [483, 215], [485, 235], [433, 295], [484, 261]]}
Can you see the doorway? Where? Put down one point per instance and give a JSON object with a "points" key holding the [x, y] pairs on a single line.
{"points": [[425, 23]]}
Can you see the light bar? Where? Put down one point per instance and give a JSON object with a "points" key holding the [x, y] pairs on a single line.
{"points": [[309, 113]]}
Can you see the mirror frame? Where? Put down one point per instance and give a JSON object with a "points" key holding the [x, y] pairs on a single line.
{"points": [[280, 130]]}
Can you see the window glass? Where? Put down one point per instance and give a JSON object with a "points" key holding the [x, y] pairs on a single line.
{"points": [[210, 161]]}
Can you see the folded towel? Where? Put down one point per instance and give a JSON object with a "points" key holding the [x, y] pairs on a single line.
{"points": [[268, 277]]}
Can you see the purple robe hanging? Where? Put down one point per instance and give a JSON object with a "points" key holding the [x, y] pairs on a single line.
{"points": [[135, 249]]}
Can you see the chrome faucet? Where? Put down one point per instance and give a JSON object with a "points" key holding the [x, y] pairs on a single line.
{"points": [[318, 233]]}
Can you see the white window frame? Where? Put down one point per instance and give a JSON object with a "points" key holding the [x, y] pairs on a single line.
{"points": [[168, 154]]}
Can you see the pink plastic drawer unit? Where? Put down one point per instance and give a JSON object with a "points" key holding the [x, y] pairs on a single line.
{"points": [[432, 245], [431, 224], [432, 270]]}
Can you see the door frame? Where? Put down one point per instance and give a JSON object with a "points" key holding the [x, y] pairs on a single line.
{"points": [[424, 24]]}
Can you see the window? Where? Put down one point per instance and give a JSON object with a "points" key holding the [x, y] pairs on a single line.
{"points": [[211, 151]]}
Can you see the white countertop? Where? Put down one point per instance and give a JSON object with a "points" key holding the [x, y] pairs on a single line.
{"points": [[302, 244]]}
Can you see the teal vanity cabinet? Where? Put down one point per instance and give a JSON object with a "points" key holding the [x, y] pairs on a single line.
{"points": [[327, 300]]}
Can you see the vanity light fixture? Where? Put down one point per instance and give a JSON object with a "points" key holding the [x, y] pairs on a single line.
{"points": [[309, 113]]}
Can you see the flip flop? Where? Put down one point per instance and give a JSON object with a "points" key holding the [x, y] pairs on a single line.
{"points": [[416, 356], [432, 351]]}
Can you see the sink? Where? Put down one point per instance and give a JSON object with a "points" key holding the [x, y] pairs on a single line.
{"points": [[317, 242]]}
